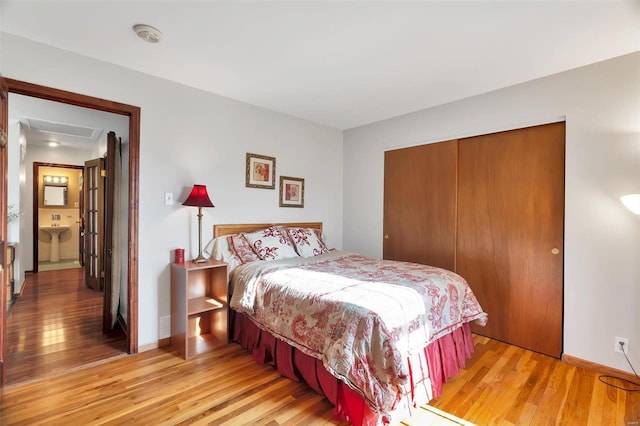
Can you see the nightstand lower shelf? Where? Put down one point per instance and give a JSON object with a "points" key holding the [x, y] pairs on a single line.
{"points": [[204, 343]]}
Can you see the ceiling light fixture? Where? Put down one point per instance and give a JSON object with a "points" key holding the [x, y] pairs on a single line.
{"points": [[53, 144], [148, 33]]}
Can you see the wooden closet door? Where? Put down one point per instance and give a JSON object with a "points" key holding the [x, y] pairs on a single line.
{"points": [[510, 233], [420, 204]]}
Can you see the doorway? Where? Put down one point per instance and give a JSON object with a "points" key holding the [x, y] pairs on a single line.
{"points": [[57, 222], [131, 252]]}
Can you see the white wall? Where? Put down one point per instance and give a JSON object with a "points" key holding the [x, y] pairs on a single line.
{"points": [[189, 136], [601, 104]]}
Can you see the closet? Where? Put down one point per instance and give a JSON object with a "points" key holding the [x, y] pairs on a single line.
{"points": [[420, 204], [491, 208]]}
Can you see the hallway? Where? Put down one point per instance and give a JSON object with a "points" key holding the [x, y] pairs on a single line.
{"points": [[56, 326]]}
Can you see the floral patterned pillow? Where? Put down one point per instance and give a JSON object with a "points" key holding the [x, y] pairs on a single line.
{"points": [[241, 247], [272, 243], [307, 241]]}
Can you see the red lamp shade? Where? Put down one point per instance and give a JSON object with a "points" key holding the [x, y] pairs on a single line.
{"points": [[198, 197]]}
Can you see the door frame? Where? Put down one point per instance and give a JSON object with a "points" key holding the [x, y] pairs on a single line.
{"points": [[36, 199], [133, 112]]}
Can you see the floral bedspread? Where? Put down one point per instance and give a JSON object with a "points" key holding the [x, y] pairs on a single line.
{"points": [[362, 317]]}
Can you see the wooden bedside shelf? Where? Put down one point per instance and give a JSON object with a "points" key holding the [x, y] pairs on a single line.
{"points": [[203, 304], [199, 307]]}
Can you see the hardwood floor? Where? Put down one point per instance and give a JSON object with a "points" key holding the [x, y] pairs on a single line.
{"points": [[507, 385], [60, 330], [502, 384], [55, 326]]}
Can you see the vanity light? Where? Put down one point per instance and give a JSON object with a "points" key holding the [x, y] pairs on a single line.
{"points": [[632, 202], [56, 180]]}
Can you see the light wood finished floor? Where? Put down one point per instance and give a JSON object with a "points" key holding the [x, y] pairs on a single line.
{"points": [[56, 325], [502, 384]]}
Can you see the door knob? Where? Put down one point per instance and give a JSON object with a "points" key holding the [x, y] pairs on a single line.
{"points": [[555, 251], [386, 237]]}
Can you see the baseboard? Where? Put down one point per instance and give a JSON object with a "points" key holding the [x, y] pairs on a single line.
{"points": [[599, 368], [147, 347], [162, 343]]}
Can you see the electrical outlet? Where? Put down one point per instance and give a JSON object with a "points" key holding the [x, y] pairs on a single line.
{"points": [[165, 327], [624, 341]]}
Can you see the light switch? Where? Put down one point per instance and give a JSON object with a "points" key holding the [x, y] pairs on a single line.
{"points": [[168, 198]]}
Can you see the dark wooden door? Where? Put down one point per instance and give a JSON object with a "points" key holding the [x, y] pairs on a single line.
{"points": [[93, 185], [113, 155], [510, 233], [420, 204]]}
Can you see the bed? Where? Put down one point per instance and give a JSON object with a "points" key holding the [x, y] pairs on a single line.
{"points": [[377, 338]]}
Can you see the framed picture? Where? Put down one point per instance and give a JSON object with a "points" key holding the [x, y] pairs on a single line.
{"points": [[291, 192], [261, 171]]}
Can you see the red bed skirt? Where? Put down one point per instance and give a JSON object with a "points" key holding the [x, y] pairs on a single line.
{"points": [[443, 359]]}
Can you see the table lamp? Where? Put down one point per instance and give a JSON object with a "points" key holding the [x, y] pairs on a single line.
{"points": [[199, 198]]}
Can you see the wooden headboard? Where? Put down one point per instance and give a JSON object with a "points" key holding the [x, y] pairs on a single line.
{"points": [[227, 229]]}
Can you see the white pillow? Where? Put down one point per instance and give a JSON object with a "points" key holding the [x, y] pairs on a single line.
{"points": [[271, 243], [307, 242], [220, 250]]}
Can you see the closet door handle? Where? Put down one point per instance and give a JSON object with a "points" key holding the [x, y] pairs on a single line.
{"points": [[555, 251]]}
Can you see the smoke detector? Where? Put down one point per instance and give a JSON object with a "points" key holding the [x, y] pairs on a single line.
{"points": [[148, 33]]}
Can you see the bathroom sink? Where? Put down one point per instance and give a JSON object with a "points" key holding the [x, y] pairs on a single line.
{"points": [[54, 232]]}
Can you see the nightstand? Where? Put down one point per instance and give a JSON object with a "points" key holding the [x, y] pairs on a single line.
{"points": [[199, 307]]}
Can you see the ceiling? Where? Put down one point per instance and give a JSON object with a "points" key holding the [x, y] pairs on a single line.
{"points": [[339, 63], [72, 127], [41, 132]]}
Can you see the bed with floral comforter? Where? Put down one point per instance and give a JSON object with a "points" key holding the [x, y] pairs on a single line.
{"points": [[363, 318]]}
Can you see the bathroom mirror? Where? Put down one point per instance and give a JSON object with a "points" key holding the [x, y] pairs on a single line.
{"points": [[55, 195]]}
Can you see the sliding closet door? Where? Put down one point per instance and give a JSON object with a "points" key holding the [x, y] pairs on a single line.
{"points": [[510, 233], [420, 204]]}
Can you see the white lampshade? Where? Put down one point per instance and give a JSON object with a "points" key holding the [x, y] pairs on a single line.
{"points": [[632, 202]]}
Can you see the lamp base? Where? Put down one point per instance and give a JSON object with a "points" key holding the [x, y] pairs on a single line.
{"points": [[199, 259]]}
